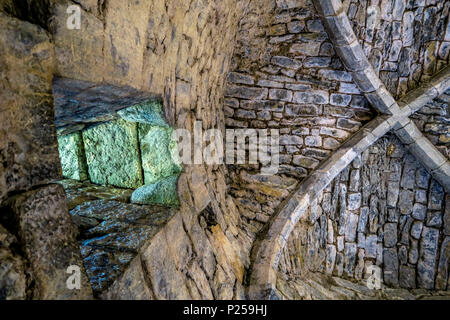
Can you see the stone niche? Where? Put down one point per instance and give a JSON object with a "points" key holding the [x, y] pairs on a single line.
{"points": [[133, 150], [120, 168]]}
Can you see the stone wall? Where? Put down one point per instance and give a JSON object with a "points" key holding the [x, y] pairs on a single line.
{"points": [[433, 121], [136, 151], [383, 210], [179, 51], [287, 76], [37, 237], [294, 83]]}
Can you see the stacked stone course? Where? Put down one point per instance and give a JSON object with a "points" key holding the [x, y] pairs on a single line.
{"points": [[299, 86], [383, 210], [406, 41]]}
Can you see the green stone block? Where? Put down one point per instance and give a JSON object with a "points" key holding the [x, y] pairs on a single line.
{"points": [[71, 153], [163, 192], [158, 151], [150, 113], [112, 154]]}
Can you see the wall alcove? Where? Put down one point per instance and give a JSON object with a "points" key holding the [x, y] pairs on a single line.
{"points": [[120, 172]]}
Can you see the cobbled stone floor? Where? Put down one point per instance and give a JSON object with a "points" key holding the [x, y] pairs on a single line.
{"points": [[317, 286], [110, 229]]}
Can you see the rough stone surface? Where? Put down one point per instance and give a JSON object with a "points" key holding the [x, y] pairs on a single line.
{"points": [[162, 192], [13, 284], [110, 235], [157, 150], [285, 75], [28, 146], [72, 155], [427, 258], [150, 113], [47, 236], [395, 235], [78, 192], [105, 146], [80, 104]]}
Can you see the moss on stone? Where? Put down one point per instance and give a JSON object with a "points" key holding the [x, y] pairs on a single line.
{"points": [[150, 113], [112, 154], [71, 153], [157, 148], [163, 192]]}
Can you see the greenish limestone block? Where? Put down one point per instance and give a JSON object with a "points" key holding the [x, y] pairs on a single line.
{"points": [[158, 151], [150, 113], [71, 153], [112, 154], [163, 192]]}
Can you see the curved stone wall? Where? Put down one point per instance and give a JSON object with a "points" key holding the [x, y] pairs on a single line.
{"points": [[383, 210]]}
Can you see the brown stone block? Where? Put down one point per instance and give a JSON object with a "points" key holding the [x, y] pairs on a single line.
{"points": [[41, 220]]}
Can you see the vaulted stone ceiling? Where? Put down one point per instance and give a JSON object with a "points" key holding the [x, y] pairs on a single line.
{"points": [[358, 91]]}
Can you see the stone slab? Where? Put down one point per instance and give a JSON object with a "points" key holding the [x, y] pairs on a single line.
{"points": [[112, 154], [163, 192]]}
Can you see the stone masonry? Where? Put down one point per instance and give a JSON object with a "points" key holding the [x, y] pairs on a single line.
{"points": [[359, 93]]}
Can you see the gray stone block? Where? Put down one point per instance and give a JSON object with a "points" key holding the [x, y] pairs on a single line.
{"points": [[391, 268], [443, 265], [419, 211], [350, 258], [353, 56], [340, 29], [416, 229], [328, 8], [381, 100], [407, 277], [367, 80]]}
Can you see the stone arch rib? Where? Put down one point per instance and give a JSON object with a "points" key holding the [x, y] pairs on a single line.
{"points": [[394, 116], [347, 46]]}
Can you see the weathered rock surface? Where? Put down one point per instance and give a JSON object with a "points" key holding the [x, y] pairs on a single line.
{"points": [[110, 235], [157, 148], [78, 192], [81, 104], [163, 192], [13, 282], [28, 147], [72, 155], [47, 237], [112, 154], [287, 77], [150, 113], [400, 238]]}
